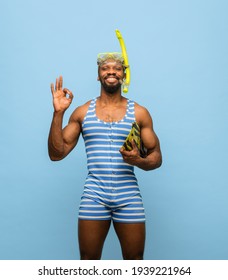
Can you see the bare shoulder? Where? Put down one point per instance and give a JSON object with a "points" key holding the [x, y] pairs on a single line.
{"points": [[142, 115], [79, 113]]}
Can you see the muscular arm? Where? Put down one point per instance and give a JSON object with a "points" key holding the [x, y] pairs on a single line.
{"points": [[153, 159], [151, 142], [62, 141]]}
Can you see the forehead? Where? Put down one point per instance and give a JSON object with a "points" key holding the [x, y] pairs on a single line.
{"points": [[111, 63], [110, 56]]}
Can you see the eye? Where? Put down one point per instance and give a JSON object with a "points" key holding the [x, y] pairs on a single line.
{"points": [[104, 68], [119, 67]]}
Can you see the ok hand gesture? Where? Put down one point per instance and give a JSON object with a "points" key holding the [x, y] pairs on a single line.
{"points": [[62, 98]]}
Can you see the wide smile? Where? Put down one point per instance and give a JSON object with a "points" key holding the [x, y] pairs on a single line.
{"points": [[111, 79]]}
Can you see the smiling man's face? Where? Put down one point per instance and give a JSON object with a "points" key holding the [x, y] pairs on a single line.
{"points": [[111, 75]]}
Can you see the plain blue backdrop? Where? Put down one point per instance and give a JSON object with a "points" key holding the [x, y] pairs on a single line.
{"points": [[179, 64]]}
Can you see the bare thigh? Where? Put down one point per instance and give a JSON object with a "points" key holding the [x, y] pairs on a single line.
{"points": [[91, 236], [132, 239]]}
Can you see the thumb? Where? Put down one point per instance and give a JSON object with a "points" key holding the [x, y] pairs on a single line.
{"points": [[68, 93]]}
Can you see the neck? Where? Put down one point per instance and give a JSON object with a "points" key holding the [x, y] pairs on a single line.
{"points": [[109, 98]]}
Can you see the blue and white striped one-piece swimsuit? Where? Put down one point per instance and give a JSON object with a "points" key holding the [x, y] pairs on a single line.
{"points": [[111, 189]]}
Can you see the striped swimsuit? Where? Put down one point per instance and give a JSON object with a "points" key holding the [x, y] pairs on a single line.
{"points": [[111, 190]]}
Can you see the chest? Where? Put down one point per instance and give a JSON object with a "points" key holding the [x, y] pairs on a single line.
{"points": [[111, 114]]}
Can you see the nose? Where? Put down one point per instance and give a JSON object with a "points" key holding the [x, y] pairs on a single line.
{"points": [[111, 71]]}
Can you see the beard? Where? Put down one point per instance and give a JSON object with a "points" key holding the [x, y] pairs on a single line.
{"points": [[111, 88]]}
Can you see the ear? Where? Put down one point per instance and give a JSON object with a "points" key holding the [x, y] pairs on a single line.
{"points": [[98, 78]]}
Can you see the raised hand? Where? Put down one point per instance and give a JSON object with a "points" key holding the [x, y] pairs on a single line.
{"points": [[62, 98]]}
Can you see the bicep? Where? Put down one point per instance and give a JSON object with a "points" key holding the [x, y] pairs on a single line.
{"points": [[148, 135], [71, 135], [72, 131], [149, 138]]}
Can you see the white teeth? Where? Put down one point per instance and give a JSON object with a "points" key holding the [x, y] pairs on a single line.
{"points": [[111, 79]]}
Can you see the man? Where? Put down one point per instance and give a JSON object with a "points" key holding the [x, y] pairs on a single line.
{"points": [[111, 192]]}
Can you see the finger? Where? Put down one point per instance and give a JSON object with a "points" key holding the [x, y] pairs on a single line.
{"points": [[52, 88], [56, 84], [135, 148], [60, 82], [124, 152], [133, 144], [69, 93]]}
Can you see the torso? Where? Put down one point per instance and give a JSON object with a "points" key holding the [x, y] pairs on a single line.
{"points": [[108, 113], [111, 113], [107, 172]]}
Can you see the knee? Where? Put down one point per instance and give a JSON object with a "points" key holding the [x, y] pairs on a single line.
{"points": [[89, 256], [133, 256]]}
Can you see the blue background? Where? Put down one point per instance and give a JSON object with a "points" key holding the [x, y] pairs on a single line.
{"points": [[179, 65]]}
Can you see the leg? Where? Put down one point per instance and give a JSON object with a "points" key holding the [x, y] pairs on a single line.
{"points": [[129, 224], [93, 226], [132, 239], [91, 235]]}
